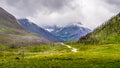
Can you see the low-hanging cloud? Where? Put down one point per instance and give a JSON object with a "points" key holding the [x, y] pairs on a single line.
{"points": [[115, 2], [31, 7], [91, 13]]}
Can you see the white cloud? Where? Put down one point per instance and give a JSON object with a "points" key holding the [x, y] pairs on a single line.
{"points": [[61, 12]]}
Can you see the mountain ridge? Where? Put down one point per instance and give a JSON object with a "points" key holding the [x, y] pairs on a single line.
{"points": [[70, 32], [38, 30], [8, 17], [13, 34]]}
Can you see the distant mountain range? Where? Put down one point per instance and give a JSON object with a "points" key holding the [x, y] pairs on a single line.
{"points": [[12, 33], [108, 33], [70, 32], [24, 32], [54, 33], [38, 30]]}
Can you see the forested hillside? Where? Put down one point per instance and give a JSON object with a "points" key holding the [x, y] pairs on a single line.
{"points": [[108, 32]]}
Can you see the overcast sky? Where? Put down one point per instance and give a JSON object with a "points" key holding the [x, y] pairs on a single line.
{"points": [[61, 12]]}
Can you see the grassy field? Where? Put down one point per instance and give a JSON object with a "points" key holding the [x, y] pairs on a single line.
{"points": [[59, 56]]}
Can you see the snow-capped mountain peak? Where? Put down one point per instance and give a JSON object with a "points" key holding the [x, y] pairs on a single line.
{"points": [[70, 32]]}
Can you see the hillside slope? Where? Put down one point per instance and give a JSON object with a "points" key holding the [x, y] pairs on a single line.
{"points": [[12, 33], [8, 20], [109, 32], [38, 30]]}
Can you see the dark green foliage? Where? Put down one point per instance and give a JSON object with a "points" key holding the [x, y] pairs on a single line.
{"points": [[107, 33], [17, 58]]}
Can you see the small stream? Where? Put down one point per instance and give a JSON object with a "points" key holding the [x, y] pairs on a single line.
{"points": [[73, 49]]}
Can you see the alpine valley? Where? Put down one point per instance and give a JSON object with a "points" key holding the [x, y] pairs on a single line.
{"points": [[23, 44]]}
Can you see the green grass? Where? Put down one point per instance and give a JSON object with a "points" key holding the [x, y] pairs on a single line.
{"points": [[100, 49], [59, 56]]}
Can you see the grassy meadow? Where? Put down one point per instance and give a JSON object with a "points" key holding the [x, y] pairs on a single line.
{"points": [[99, 49], [59, 56]]}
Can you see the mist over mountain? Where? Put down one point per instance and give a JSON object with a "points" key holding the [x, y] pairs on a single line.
{"points": [[91, 13], [59, 34], [70, 32]]}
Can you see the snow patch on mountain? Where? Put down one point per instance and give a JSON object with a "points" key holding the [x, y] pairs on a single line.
{"points": [[49, 30], [70, 32]]}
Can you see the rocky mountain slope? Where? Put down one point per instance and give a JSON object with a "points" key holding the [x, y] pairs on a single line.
{"points": [[12, 33], [38, 30]]}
